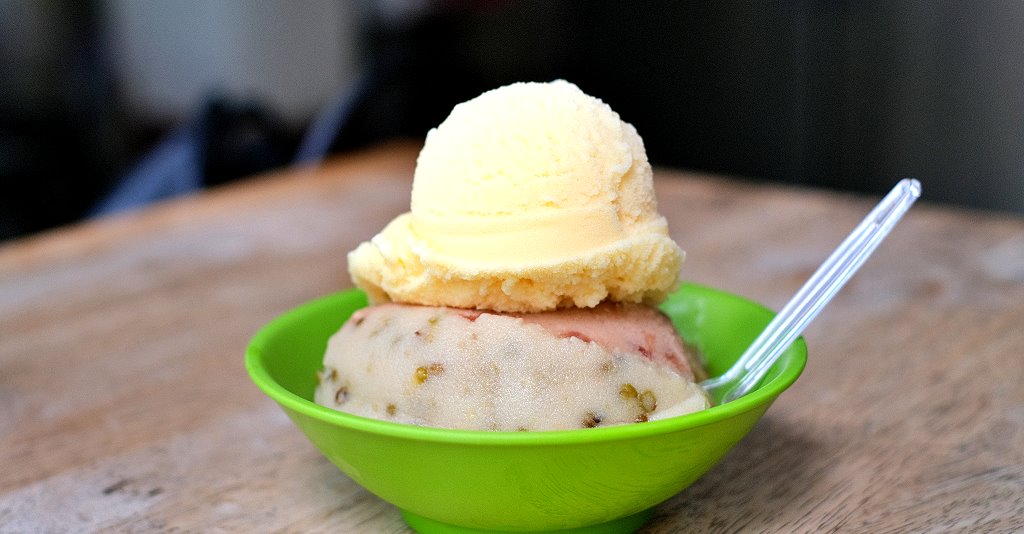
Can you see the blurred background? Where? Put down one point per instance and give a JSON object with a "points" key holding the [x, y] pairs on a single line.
{"points": [[107, 105]]}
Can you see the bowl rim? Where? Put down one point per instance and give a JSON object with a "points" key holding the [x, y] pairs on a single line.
{"points": [[793, 366]]}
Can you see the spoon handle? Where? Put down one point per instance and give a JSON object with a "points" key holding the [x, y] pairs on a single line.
{"points": [[830, 277]]}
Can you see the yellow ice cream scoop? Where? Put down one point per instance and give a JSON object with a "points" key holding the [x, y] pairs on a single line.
{"points": [[527, 198]]}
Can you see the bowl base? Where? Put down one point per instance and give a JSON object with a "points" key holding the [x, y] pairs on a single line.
{"points": [[623, 525]]}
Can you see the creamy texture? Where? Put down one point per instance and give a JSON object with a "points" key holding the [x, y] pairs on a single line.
{"points": [[462, 369], [530, 197], [631, 328]]}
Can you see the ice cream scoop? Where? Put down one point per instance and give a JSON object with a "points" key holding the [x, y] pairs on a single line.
{"points": [[516, 293], [465, 369], [530, 197]]}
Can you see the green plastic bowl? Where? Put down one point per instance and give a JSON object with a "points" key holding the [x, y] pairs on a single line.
{"points": [[587, 480]]}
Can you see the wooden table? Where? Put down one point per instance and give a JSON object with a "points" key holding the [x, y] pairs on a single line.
{"points": [[125, 405]]}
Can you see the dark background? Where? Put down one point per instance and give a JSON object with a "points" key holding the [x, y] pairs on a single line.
{"points": [[848, 95]]}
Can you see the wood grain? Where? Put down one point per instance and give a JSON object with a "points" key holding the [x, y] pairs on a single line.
{"points": [[125, 406]]}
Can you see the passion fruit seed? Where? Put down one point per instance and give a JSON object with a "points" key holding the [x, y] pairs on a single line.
{"points": [[627, 391], [427, 334], [590, 420], [424, 372], [326, 374], [391, 409], [648, 401], [341, 395], [642, 418], [383, 323]]}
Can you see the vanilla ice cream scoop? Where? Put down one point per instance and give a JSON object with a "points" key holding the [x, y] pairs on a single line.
{"points": [[530, 197]]}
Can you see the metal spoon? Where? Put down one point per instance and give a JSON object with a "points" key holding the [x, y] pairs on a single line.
{"points": [[751, 367]]}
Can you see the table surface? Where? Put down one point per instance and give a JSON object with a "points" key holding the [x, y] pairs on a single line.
{"points": [[126, 406]]}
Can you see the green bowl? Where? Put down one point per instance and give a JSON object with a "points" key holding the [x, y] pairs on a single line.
{"points": [[587, 480]]}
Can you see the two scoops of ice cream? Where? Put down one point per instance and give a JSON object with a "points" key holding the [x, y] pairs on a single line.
{"points": [[518, 291]]}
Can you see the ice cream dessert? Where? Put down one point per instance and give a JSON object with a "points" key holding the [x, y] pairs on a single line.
{"points": [[517, 292], [530, 197]]}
